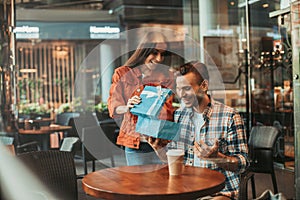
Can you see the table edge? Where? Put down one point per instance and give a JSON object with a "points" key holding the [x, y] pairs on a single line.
{"points": [[98, 193]]}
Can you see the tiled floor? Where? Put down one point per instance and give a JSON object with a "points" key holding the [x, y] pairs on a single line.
{"points": [[285, 183], [285, 180]]}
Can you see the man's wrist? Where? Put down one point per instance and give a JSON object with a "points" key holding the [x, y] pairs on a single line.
{"points": [[229, 159], [220, 155], [162, 154]]}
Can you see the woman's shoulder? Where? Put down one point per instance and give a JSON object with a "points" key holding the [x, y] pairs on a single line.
{"points": [[164, 78], [122, 69], [126, 74], [125, 69]]}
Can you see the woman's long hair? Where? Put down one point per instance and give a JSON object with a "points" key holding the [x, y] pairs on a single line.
{"points": [[144, 49]]}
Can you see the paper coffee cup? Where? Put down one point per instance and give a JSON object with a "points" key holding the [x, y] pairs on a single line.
{"points": [[175, 161]]}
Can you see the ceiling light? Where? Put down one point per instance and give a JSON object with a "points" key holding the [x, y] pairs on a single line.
{"points": [[265, 5]]}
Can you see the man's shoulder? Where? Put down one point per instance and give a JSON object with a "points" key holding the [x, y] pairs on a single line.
{"points": [[177, 111], [221, 107], [181, 111]]}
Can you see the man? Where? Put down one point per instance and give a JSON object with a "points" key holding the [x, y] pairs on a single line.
{"points": [[212, 134]]}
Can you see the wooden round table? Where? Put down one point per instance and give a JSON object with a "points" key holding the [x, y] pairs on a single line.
{"points": [[152, 182], [44, 133]]}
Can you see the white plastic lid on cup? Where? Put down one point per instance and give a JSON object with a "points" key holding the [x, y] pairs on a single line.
{"points": [[175, 152]]}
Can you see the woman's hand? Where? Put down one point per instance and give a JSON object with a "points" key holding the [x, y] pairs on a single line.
{"points": [[130, 104], [133, 100]]}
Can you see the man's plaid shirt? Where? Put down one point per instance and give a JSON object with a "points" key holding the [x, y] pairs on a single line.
{"points": [[225, 124]]}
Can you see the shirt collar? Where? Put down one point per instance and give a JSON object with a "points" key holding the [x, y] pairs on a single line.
{"points": [[208, 110], [137, 71], [206, 113], [133, 76]]}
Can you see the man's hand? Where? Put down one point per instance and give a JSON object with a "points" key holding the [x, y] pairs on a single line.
{"points": [[157, 143], [158, 146], [202, 150]]}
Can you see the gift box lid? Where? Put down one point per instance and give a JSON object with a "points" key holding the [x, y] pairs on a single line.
{"points": [[158, 128], [153, 99]]}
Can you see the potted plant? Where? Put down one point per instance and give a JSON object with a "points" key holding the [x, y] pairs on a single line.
{"points": [[101, 111]]}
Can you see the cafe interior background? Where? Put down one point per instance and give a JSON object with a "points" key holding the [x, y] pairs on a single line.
{"points": [[254, 44]]}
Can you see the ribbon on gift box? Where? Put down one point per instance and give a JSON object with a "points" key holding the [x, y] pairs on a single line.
{"points": [[153, 99], [149, 92]]}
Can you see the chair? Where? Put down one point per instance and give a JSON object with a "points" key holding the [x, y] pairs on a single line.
{"points": [[56, 169], [24, 143], [69, 144], [77, 124], [96, 146], [63, 119], [20, 145], [80, 122], [110, 129], [8, 142], [268, 195], [261, 144]]}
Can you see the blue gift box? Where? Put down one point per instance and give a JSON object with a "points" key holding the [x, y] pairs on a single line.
{"points": [[158, 128], [152, 102]]}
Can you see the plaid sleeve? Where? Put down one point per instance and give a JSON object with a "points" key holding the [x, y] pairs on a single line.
{"points": [[237, 140]]}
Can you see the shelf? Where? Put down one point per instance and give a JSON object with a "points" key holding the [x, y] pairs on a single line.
{"points": [[281, 12]]}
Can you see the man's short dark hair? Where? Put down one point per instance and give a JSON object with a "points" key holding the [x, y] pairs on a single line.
{"points": [[197, 68]]}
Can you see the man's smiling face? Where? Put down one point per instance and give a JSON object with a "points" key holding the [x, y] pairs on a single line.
{"points": [[185, 87]]}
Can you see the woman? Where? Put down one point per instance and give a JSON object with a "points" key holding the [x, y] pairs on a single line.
{"points": [[144, 67]]}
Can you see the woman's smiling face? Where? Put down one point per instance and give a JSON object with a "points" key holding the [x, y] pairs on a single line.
{"points": [[156, 56]]}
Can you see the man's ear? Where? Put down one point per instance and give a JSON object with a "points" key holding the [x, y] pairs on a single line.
{"points": [[204, 85]]}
